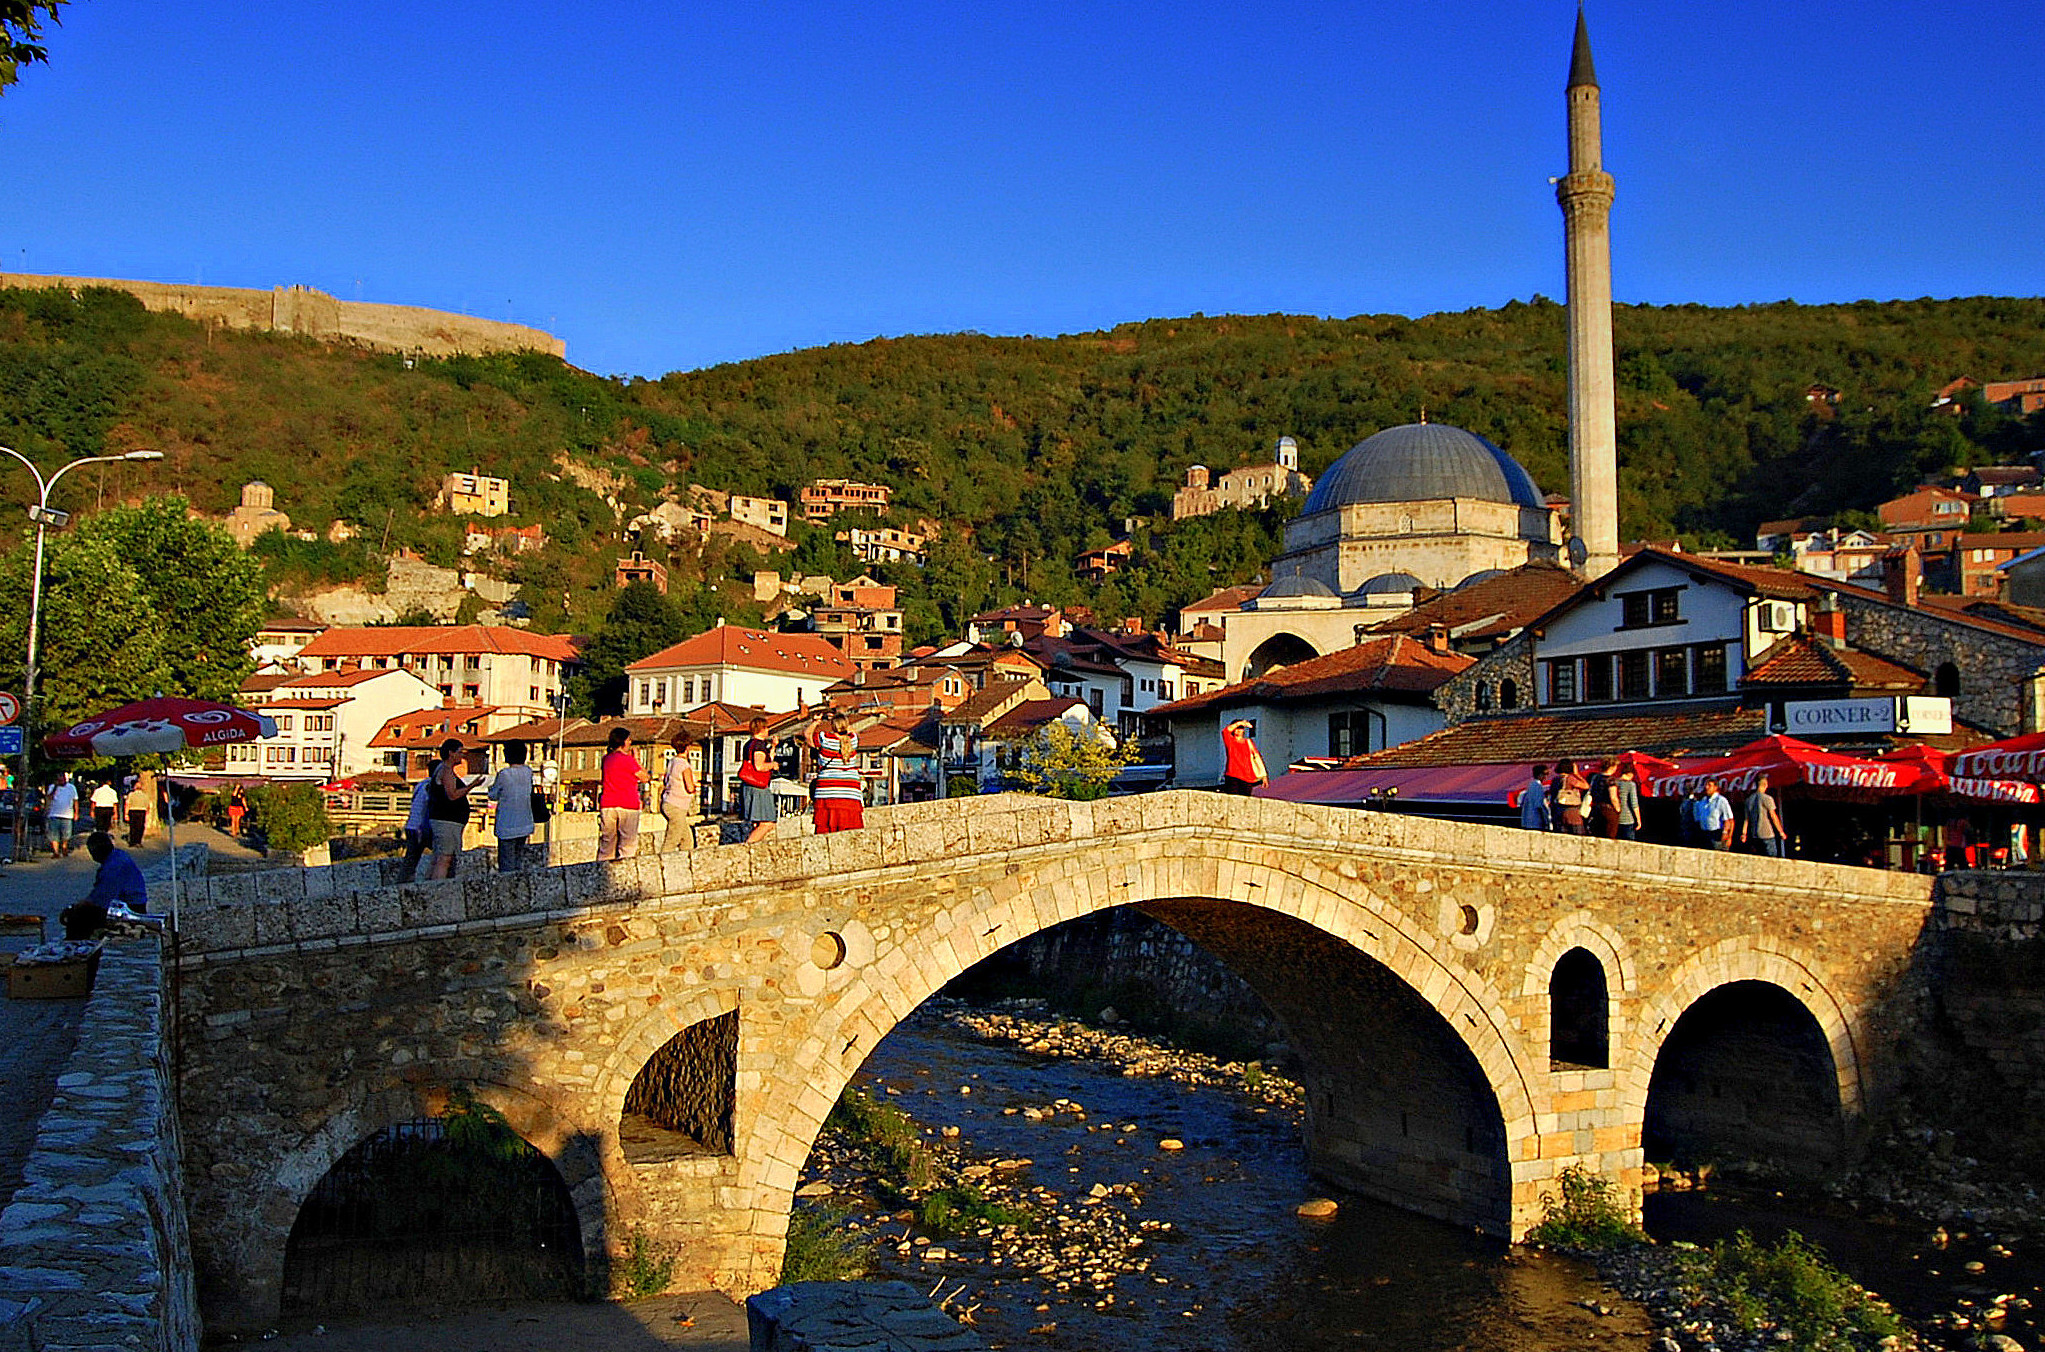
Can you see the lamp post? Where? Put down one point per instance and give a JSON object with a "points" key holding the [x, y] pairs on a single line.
{"points": [[44, 517]]}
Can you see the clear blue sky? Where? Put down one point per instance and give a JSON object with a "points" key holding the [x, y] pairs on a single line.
{"points": [[668, 185]]}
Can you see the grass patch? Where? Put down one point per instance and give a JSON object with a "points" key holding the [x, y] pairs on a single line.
{"points": [[821, 1249], [907, 1174], [646, 1269], [1586, 1214], [1792, 1286]]}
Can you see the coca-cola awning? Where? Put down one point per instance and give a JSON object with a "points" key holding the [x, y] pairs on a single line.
{"points": [[1932, 771], [2013, 758], [1785, 761], [159, 725]]}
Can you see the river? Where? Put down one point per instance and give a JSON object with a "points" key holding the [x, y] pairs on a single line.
{"points": [[1235, 1266], [1142, 1247]]}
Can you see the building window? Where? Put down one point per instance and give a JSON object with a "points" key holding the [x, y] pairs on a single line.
{"points": [[1508, 693], [471, 692], [283, 722], [1711, 668], [1946, 680], [1633, 675], [1348, 733], [1672, 673], [1597, 678], [1562, 682], [1639, 610], [1483, 697]]}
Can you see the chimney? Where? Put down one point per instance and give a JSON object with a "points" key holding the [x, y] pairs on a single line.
{"points": [[1902, 574], [1828, 623], [1437, 638]]}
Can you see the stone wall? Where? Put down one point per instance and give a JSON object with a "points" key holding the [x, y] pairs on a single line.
{"points": [[1990, 988], [303, 310], [1409, 959], [1998, 673], [1511, 661], [842, 1316], [94, 1250]]}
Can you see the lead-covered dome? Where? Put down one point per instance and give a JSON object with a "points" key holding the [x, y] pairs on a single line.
{"points": [[1422, 462]]}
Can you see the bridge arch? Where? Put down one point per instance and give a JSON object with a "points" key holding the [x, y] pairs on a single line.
{"points": [[1779, 974], [575, 1153], [913, 963]]}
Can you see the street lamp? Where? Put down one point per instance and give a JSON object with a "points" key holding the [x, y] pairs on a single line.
{"points": [[44, 517]]}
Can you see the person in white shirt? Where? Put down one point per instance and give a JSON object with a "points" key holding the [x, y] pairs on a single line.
{"points": [[106, 800], [512, 791], [61, 813], [417, 836], [678, 800]]}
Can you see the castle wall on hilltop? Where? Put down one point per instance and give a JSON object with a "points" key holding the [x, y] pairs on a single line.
{"points": [[304, 310]]}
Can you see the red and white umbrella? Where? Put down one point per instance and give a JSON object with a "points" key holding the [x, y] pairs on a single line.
{"points": [[160, 725], [1786, 761], [2013, 758], [1936, 773]]}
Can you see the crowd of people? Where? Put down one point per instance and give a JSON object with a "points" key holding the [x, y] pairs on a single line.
{"points": [[1603, 799]]}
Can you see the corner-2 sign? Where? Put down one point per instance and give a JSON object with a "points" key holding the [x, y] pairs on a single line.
{"points": [[10, 708]]}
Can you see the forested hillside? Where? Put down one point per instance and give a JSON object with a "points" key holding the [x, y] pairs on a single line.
{"points": [[1029, 450]]}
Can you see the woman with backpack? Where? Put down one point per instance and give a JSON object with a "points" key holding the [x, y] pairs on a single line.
{"points": [[1571, 792]]}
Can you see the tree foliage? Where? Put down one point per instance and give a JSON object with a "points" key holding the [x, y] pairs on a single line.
{"points": [[1063, 762], [102, 639], [291, 817], [21, 31], [642, 622], [207, 594]]}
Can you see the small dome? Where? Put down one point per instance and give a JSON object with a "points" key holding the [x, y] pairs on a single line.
{"points": [[1422, 462], [1481, 575], [1385, 584], [1296, 585]]}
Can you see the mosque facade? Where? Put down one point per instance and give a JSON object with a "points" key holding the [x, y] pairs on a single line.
{"points": [[1429, 506]]}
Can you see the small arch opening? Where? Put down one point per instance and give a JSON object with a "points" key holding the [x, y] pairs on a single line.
{"points": [[1579, 1013], [681, 1101], [436, 1212], [1280, 650], [1483, 697], [1508, 693], [1946, 680]]}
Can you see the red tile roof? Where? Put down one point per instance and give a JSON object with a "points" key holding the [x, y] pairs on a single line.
{"points": [[399, 639], [1491, 608], [1027, 717], [1393, 664], [1802, 660], [731, 645], [1228, 598], [344, 678], [1509, 738], [430, 727]]}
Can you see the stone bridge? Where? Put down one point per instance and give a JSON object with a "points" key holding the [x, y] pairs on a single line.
{"points": [[1475, 1008]]}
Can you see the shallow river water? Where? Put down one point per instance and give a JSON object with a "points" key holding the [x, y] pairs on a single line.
{"points": [[1238, 1269]]}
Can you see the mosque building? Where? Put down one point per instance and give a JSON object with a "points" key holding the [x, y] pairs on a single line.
{"points": [[1430, 506]]}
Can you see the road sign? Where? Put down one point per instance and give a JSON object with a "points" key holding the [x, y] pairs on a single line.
{"points": [[10, 708], [10, 741]]}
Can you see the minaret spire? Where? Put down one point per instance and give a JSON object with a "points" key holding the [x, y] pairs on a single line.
{"points": [[1585, 196]]}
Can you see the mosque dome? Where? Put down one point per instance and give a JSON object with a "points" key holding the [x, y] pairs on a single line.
{"points": [[1422, 462], [1296, 587], [1388, 584]]}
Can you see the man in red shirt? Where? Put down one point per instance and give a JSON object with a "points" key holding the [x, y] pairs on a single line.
{"points": [[1244, 769], [617, 805]]}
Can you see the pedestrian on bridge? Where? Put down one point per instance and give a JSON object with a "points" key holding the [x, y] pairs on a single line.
{"points": [[680, 803], [1714, 818], [1243, 765], [620, 799], [1761, 821], [447, 808], [839, 794], [1534, 813], [512, 791], [61, 814], [756, 782], [1572, 791]]}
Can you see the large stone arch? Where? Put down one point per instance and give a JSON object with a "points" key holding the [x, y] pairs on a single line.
{"points": [[1280, 649], [861, 1004], [294, 1172], [1723, 964]]}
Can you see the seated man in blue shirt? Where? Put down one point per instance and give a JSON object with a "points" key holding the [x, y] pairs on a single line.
{"points": [[119, 880]]}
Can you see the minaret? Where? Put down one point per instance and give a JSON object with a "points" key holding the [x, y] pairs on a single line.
{"points": [[1585, 196]]}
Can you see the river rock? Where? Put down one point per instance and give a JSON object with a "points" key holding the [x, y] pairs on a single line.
{"points": [[1316, 1208], [2002, 1342], [816, 1189], [1171, 1143]]}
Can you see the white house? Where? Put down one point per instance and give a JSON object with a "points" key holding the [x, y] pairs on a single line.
{"points": [[735, 665], [325, 722], [1360, 699]]}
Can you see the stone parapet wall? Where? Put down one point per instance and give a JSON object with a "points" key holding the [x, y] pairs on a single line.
{"points": [[1995, 904], [1990, 988], [94, 1249]]}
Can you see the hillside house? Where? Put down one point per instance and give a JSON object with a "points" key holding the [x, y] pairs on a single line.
{"points": [[474, 494]]}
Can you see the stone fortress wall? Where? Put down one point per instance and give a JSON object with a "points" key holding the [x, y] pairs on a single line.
{"points": [[315, 314]]}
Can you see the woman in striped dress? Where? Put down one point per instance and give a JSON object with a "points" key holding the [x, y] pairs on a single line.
{"points": [[839, 794]]}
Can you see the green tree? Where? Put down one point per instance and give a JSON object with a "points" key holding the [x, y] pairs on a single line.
{"points": [[642, 622], [102, 640], [291, 817], [1063, 763], [207, 594], [21, 31]]}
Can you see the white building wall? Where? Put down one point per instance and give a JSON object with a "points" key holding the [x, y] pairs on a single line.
{"points": [[673, 690]]}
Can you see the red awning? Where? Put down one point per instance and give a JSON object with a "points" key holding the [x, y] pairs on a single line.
{"points": [[1786, 761], [1490, 785], [2012, 758]]}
